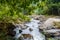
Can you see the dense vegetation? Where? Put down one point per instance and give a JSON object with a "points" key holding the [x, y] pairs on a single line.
{"points": [[10, 10]]}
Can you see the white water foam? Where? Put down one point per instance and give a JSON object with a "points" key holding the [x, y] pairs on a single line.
{"points": [[35, 33]]}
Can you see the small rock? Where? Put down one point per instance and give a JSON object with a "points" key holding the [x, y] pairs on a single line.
{"points": [[30, 29]]}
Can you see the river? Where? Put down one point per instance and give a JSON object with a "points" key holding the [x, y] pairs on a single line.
{"points": [[34, 25]]}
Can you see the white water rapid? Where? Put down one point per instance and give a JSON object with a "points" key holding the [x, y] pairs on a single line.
{"points": [[33, 24]]}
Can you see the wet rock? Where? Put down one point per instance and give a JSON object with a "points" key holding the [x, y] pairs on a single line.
{"points": [[49, 35], [52, 30], [26, 37], [20, 31], [30, 29], [22, 26], [39, 17], [10, 29], [12, 33]]}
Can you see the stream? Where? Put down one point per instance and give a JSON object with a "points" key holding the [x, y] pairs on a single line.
{"points": [[36, 34]]}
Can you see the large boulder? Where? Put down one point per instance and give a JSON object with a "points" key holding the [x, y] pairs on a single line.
{"points": [[51, 23], [51, 27]]}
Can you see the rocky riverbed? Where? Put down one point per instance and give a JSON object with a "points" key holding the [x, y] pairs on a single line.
{"points": [[31, 32], [40, 27], [50, 27]]}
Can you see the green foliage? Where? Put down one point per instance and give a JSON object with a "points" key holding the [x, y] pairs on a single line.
{"points": [[10, 11], [51, 7]]}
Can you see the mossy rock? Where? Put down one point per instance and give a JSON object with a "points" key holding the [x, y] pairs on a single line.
{"points": [[57, 25]]}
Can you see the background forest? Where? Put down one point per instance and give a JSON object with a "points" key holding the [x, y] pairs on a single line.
{"points": [[10, 10]]}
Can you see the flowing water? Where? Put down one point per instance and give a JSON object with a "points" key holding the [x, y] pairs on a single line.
{"points": [[33, 24]]}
